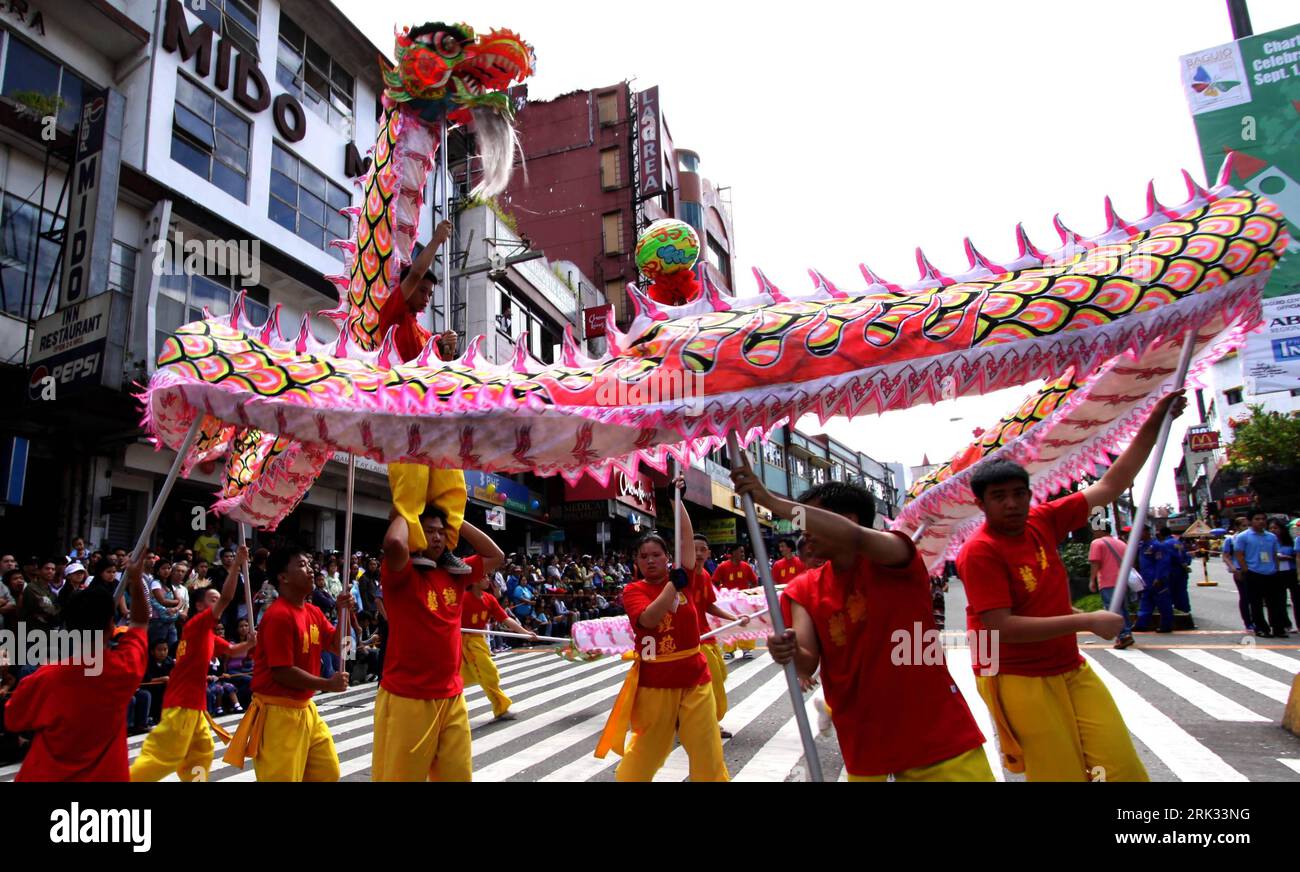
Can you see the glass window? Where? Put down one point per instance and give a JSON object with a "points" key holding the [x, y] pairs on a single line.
{"points": [[306, 70], [28, 264], [33, 79], [121, 267], [233, 19], [182, 298], [210, 139], [1233, 396], [305, 201]]}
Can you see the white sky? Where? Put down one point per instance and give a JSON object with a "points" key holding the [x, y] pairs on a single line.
{"points": [[856, 132]]}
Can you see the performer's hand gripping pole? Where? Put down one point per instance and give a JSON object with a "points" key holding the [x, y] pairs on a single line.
{"points": [[165, 491], [778, 623], [1119, 600]]}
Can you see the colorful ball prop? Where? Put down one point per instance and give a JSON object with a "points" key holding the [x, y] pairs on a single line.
{"points": [[668, 246]]}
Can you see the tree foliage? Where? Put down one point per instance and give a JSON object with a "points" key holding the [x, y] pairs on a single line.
{"points": [[1265, 441]]}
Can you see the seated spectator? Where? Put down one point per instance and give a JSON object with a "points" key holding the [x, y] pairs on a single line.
{"points": [[222, 697]]}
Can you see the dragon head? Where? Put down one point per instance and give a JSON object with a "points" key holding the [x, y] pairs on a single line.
{"points": [[446, 70], [446, 73]]}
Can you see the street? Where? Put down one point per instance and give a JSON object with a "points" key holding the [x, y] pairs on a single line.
{"points": [[1201, 707]]}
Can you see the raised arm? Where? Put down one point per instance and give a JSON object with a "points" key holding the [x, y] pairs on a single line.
{"points": [[1124, 470], [483, 546], [140, 610], [397, 553], [231, 584], [424, 260], [685, 530], [876, 545]]}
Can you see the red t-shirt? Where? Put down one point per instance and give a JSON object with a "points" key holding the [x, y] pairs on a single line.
{"points": [[894, 709], [424, 611], [187, 687], [79, 719], [734, 576], [702, 594], [478, 610], [410, 336], [678, 631], [289, 636], [1025, 574], [786, 569]]}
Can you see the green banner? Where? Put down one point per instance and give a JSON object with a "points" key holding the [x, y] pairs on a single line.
{"points": [[1245, 98]]}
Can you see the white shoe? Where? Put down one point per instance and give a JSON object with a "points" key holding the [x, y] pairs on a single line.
{"points": [[748, 655], [824, 723]]}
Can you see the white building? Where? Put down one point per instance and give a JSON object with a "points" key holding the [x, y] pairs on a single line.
{"points": [[226, 120]]}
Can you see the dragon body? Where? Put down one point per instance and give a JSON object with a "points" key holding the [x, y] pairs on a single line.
{"points": [[683, 377], [445, 74]]}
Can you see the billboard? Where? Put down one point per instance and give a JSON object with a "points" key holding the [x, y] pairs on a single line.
{"points": [[650, 161], [594, 318], [1245, 99], [1271, 359], [68, 348]]}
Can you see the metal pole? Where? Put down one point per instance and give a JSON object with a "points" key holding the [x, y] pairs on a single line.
{"points": [[920, 530], [156, 512], [778, 623], [343, 631], [1239, 16], [248, 584], [677, 517], [1119, 600], [444, 182]]}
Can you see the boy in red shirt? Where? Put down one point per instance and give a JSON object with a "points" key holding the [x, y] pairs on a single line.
{"points": [[860, 616], [668, 691], [421, 723], [182, 741], [1056, 721], [736, 574], [282, 730], [476, 663], [76, 710], [788, 565], [414, 484]]}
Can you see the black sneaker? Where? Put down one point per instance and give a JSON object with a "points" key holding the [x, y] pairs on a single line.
{"points": [[454, 565]]}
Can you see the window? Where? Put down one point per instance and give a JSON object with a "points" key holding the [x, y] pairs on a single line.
{"points": [[721, 259], [818, 475], [516, 317], [31, 78], [305, 202], [235, 20], [799, 466], [210, 139], [609, 169], [607, 108], [837, 472], [307, 70], [121, 267], [1232, 397], [612, 229], [182, 297], [773, 454], [28, 263]]}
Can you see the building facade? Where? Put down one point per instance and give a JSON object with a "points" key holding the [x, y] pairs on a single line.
{"points": [[601, 165]]}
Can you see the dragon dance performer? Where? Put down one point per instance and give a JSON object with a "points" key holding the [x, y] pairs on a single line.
{"points": [[421, 723], [1056, 720], [76, 712], [902, 719], [668, 690], [736, 573], [788, 565], [704, 594], [282, 730], [182, 741], [415, 485], [476, 663]]}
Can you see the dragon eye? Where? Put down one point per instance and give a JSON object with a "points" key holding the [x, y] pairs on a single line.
{"points": [[447, 45]]}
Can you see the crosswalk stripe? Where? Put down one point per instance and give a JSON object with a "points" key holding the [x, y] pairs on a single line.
{"points": [[1290, 764], [779, 754], [606, 670], [959, 667], [1207, 699], [547, 680], [1185, 756], [844, 775], [678, 765], [588, 765], [1289, 665], [1271, 688]]}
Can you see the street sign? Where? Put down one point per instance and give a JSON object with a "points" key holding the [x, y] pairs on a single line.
{"points": [[602, 532], [1203, 440]]}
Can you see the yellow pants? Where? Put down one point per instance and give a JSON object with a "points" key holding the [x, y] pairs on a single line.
{"points": [[291, 743], [415, 486], [743, 645], [181, 743], [477, 667], [658, 714], [1061, 727], [421, 739], [970, 766], [717, 676]]}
